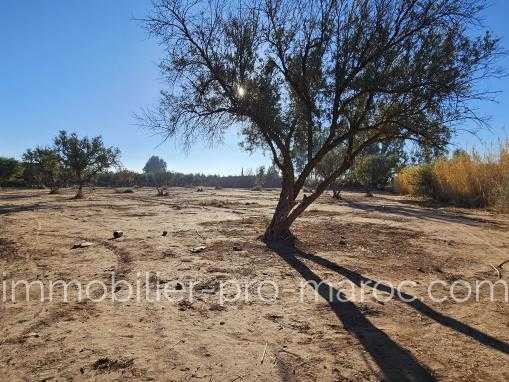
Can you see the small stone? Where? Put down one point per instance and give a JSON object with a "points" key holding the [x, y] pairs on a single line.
{"points": [[117, 234], [178, 286], [198, 249], [83, 244]]}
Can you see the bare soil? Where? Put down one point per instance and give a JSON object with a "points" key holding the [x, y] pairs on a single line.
{"points": [[212, 241]]}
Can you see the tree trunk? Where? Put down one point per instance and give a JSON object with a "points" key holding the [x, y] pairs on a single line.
{"points": [[369, 194], [279, 228], [79, 195], [336, 192]]}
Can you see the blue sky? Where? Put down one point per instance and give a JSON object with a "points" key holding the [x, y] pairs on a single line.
{"points": [[87, 66]]}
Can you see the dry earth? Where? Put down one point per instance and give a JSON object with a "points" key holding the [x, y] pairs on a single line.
{"points": [[369, 242]]}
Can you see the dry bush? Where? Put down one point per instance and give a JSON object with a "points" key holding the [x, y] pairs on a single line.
{"points": [[407, 180], [471, 180]]}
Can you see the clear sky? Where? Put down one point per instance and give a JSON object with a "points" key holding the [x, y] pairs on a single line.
{"points": [[87, 66]]}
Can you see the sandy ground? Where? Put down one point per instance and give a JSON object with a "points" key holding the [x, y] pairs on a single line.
{"points": [[276, 328]]}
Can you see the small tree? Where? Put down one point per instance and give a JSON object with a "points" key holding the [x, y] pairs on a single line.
{"points": [[375, 168], [126, 177], [9, 168], [260, 177], [84, 158], [45, 167], [155, 169], [305, 78], [155, 165]]}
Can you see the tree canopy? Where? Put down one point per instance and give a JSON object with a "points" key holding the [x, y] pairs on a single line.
{"points": [[306, 78], [154, 165], [84, 158], [44, 165], [9, 167]]}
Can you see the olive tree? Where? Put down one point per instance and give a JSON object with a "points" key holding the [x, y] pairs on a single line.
{"points": [[312, 76], [84, 158], [155, 169], [154, 165], [9, 168], [375, 168], [45, 167]]}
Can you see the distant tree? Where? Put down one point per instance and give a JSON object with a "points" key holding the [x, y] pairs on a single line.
{"points": [[45, 167], [84, 158], [125, 177], [317, 75], [326, 168], [460, 153], [155, 165], [375, 168], [155, 169], [9, 168], [272, 178], [260, 176]]}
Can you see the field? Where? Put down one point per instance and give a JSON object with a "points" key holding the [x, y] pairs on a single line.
{"points": [[276, 328]]}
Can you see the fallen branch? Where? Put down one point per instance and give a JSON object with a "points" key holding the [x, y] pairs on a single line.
{"points": [[264, 352]]}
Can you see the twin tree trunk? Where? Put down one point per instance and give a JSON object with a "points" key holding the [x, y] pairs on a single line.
{"points": [[287, 210], [279, 228]]}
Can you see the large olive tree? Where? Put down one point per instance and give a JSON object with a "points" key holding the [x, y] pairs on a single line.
{"points": [[312, 76]]}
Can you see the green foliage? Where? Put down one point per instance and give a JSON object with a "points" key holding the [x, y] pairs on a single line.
{"points": [[155, 169], [43, 167], [10, 169], [155, 165], [84, 158], [373, 169]]}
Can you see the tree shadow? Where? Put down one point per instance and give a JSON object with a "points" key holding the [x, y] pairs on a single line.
{"points": [[395, 362], [413, 302], [10, 208], [22, 196], [419, 212]]}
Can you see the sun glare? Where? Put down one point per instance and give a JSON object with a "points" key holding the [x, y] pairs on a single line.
{"points": [[241, 91]]}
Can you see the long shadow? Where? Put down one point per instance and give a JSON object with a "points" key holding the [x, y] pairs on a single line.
{"points": [[9, 209], [421, 213], [418, 305], [20, 196], [395, 362]]}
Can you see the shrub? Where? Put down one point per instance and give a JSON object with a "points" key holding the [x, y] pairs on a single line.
{"points": [[406, 181], [469, 180]]}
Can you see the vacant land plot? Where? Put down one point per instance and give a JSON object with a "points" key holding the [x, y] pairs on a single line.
{"points": [[208, 301]]}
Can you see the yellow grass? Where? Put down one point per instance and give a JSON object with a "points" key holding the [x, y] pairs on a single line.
{"points": [[467, 179]]}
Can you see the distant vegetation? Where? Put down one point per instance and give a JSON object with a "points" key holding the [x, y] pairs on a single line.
{"points": [[70, 160], [261, 178], [465, 179]]}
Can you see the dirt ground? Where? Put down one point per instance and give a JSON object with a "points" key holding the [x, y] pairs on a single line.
{"points": [[276, 328]]}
